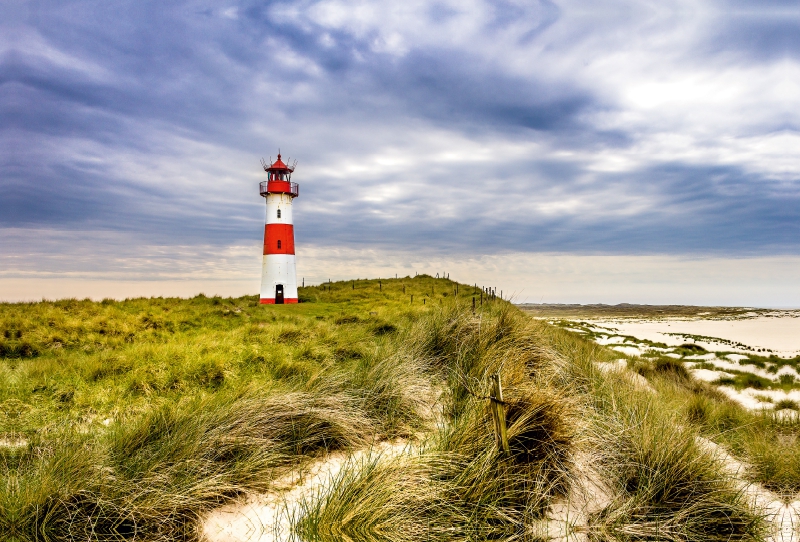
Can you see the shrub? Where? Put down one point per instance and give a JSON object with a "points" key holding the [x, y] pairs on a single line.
{"points": [[786, 404]]}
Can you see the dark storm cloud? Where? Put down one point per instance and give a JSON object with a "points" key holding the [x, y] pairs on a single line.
{"points": [[447, 87], [692, 216], [126, 116]]}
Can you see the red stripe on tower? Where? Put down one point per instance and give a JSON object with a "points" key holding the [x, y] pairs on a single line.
{"points": [[272, 301], [279, 239]]}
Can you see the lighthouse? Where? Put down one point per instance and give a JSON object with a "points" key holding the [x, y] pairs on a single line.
{"points": [[278, 274]]}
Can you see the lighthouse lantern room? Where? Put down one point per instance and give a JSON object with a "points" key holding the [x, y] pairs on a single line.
{"points": [[278, 274]]}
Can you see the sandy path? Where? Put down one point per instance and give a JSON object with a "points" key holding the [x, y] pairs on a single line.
{"points": [[785, 518], [567, 519], [271, 517]]}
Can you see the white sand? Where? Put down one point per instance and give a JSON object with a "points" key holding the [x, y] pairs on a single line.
{"points": [[569, 518], [749, 398], [707, 375], [785, 518], [781, 334], [703, 357], [628, 350], [606, 340], [723, 365], [271, 517]]}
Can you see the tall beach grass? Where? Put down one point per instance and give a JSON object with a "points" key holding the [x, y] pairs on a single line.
{"points": [[131, 420]]}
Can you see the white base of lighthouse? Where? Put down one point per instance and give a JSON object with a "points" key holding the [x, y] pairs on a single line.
{"points": [[278, 279]]}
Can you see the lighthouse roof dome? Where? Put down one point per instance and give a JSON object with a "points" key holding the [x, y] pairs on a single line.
{"points": [[278, 165]]}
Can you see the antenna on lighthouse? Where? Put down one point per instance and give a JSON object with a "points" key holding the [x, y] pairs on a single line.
{"points": [[264, 164]]}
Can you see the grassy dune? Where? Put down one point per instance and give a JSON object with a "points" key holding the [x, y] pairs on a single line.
{"points": [[131, 420]]}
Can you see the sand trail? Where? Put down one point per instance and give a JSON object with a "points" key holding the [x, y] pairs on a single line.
{"points": [[568, 517], [785, 517], [271, 517]]}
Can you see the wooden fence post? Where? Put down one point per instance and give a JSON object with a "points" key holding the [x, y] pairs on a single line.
{"points": [[499, 414]]}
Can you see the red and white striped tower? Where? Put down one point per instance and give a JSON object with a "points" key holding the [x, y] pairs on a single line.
{"points": [[278, 274]]}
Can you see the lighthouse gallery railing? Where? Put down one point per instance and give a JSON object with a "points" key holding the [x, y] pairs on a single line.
{"points": [[278, 187]]}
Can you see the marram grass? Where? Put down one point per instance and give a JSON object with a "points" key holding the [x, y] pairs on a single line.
{"points": [[130, 420]]}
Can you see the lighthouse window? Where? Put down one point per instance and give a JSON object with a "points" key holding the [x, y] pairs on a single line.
{"points": [[279, 213], [279, 243]]}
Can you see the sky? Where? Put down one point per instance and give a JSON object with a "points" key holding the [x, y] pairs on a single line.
{"points": [[577, 152]]}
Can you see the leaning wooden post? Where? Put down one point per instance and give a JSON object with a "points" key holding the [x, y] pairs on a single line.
{"points": [[499, 414]]}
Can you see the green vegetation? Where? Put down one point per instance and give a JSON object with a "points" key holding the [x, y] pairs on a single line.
{"points": [[130, 420], [766, 440]]}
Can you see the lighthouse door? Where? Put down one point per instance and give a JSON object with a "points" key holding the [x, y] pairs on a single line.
{"points": [[279, 294]]}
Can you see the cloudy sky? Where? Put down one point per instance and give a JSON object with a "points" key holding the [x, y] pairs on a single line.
{"points": [[562, 151]]}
